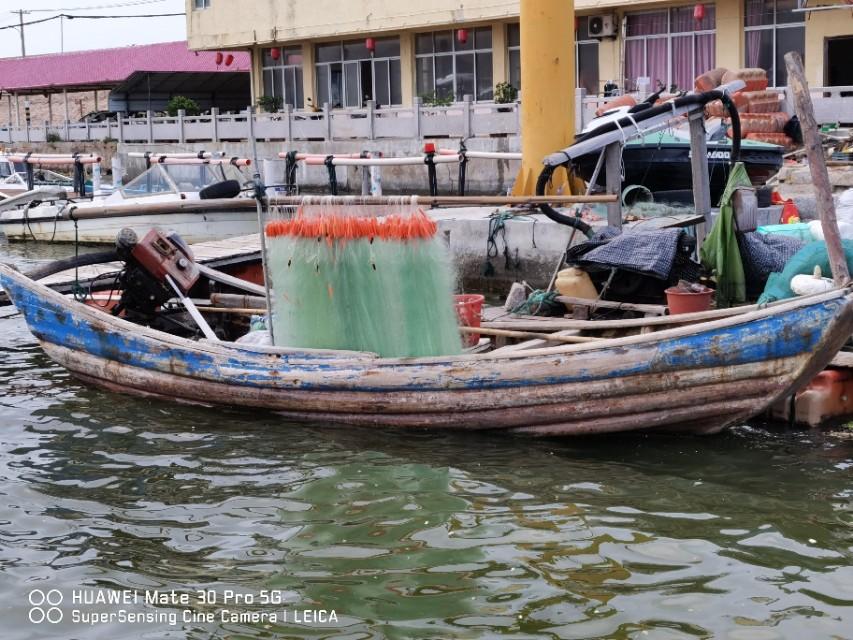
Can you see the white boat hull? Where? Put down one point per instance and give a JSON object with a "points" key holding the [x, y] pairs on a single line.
{"points": [[192, 227]]}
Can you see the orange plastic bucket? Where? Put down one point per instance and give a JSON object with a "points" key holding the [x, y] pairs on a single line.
{"points": [[688, 302], [469, 310]]}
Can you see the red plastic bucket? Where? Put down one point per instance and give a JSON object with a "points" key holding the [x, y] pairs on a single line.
{"points": [[469, 310], [688, 302]]}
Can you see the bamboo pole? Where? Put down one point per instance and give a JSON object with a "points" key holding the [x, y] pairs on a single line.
{"points": [[247, 204], [817, 166], [506, 333]]}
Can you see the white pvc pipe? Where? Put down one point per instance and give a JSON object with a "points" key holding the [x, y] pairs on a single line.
{"points": [[485, 155], [382, 162], [154, 155], [47, 159]]}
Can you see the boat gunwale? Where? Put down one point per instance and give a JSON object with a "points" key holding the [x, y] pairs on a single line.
{"points": [[341, 357]]}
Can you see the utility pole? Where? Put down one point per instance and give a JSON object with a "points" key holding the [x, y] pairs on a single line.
{"points": [[21, 13]]}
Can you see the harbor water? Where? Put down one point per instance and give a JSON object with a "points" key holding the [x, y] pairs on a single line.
{"points": [[243, 526]]}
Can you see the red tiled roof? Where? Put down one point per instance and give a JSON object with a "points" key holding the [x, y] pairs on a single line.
{"points": [[105, 67]]}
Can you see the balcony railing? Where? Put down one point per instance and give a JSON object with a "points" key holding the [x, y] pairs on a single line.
{"points": [[466, 119]]}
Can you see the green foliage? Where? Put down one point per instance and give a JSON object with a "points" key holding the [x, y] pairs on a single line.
{"points": [[52, 136], [505, 93], [437, 99], [177, 103], [270, 104]]}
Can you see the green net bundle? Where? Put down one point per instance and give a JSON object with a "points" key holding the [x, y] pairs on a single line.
{"points": [[362, 283]]}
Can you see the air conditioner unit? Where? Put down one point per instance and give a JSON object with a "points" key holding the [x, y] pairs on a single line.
{"points": [[603, 26]]}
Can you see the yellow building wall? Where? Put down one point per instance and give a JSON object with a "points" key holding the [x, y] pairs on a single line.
{"points": [[820, 26], [730, 37], [242, 23]]}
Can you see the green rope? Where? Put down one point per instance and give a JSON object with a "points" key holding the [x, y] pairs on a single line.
{"points": [[541, 303], [497, 231]]}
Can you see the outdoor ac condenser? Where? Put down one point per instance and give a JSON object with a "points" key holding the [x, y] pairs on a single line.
{"points": [[603, 26]]}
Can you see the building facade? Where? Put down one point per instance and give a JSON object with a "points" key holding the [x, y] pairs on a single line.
{"points": [[313, 52]]}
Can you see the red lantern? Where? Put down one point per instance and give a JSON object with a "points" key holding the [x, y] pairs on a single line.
{"points": [[462, 35], [370, 44], [275, 53], [699, 12], [219, 58], [228, 60], [429, 147]]}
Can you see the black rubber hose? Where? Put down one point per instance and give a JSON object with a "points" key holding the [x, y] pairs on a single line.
{"points": [[691, 99], [553, 214], [735, 118], [56, 266]]}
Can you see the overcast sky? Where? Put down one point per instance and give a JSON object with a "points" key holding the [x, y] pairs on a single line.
{"points": [[89, 34]]}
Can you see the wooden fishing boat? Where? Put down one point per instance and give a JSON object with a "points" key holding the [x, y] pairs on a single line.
{"points": [[697, 378]]}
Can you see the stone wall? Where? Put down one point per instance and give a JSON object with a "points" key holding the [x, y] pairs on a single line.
{"points": [[79, 104]]}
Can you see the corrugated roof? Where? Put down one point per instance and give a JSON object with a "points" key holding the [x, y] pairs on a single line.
{"points": [[106, 67]]}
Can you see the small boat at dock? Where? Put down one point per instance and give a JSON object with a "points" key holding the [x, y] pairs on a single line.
{"points": [[171, 193], [693, 378]]}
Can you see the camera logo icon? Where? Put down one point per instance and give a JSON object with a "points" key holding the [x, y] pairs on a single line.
{"points": [[45, 606]]}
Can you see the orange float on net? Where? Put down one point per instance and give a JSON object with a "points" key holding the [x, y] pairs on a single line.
{"points": [[342, 228]]}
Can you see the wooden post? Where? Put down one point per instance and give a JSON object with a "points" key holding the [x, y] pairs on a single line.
{"points": [[799, 90], [699, 169], [613, 167]]}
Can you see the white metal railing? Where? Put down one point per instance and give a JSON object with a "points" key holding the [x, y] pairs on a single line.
{"points": [[461, 120]]}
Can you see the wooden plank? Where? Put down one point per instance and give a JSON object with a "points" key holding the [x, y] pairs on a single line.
{"points": [[699, 169], [656, 309], [613, 167], [842, 360], [817, 166]]}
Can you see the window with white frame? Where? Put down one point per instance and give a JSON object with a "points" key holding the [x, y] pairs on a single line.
{"points": [[670, 47], [201, 4], [453, 64], [349, 74], [586, 56], [282, 71], [772, 29]]}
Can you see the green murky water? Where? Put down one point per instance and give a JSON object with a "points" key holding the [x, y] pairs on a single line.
{"points": [[748, 535]]}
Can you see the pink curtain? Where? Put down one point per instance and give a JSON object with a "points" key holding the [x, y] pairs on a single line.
{"points": [[682, 62], [647, 24], [656, 59], [753, 47], [706, 53], [635, 64]]}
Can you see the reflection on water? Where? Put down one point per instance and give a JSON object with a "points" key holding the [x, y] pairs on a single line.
{"points": [[409, 535]]}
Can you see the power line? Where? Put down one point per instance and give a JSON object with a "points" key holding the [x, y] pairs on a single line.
{"points": [[79, 17], [118, 5]]}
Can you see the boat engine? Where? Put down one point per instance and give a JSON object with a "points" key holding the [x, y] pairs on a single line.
{"points": [[149, 264]]}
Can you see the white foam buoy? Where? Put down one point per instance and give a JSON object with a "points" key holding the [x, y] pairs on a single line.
{"points": [[805, 285]]}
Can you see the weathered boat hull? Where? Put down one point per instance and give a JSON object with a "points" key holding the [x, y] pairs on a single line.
{"points": [[192, 227], [699, 378]]}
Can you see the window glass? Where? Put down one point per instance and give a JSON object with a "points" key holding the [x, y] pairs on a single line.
{"points": [[513, 35], [292, 56], [322, 85], [588, 66], [759, 12], [356, 50], [789, 39], [150, 182], [785, 12], [515, 68], [329, 52], [423, 43], [485, 86], [383, 92], [647, 24], [353, 87], [465, 76], [582, 32], [388, 48], [396, 88], [443, 41], [423, 76], [444, 76], [483, 38]]}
